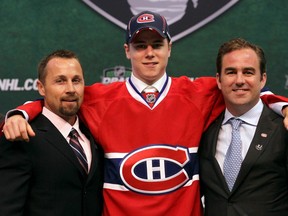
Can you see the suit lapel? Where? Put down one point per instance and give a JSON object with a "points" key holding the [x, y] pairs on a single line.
{"points": [[213, 134], [55, 138], [263, 133]]}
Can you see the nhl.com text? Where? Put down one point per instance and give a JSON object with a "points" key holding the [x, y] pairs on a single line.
{"points": [[15, 85]]}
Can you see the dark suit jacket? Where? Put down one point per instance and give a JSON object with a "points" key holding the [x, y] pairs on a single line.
{"points": [[44, 178], [261, 188]]}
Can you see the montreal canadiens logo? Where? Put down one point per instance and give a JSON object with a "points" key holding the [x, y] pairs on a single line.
{"points": [[145, 18], [155, 169]]}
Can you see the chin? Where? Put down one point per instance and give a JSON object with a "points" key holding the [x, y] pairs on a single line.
{"points": [[69, 111]]}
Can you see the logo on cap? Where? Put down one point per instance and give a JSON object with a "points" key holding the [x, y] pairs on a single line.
{"points": [[145, 18]]}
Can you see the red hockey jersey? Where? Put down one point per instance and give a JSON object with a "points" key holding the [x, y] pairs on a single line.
{"points": [[151, 157]]}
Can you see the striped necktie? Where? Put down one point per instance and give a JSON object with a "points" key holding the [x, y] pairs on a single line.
{"points": [[78, 149]]}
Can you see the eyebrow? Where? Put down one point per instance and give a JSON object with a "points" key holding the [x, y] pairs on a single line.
{"points": [[245, 68]]}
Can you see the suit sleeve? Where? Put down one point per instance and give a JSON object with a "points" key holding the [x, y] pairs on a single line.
{"points": [[15, 170]]}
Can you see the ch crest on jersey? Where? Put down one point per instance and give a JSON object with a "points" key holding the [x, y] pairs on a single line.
{"points": [[156, 169], [183, 16]]}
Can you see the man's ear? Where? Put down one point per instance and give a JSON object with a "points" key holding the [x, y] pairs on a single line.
{"points": [[218, 80], [263, 80], [127, 50], [41, 88], [170, 48]]}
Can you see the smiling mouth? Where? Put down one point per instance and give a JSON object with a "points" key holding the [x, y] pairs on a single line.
{"points": [[70, 100], [239, 90], [150, 63]]}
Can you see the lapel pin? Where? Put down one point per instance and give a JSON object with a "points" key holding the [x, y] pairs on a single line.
{"points": [[264, 135], [259, 147]]}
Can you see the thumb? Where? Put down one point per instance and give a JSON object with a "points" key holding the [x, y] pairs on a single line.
{"points": [[286, 123], [30, 131]]}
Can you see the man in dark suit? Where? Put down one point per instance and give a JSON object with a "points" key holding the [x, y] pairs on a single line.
{"points": [[261, 185], [47, 177]]}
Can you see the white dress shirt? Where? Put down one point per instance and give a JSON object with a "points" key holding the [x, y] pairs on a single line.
{"points": [[247, 130], [64, 128]]}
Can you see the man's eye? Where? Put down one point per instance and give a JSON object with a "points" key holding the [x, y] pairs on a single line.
{"points": [[76, 80], [156, 46], [249, 72], [141, 46], [230, 72]]}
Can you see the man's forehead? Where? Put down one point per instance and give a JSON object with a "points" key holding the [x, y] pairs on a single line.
{"points": [[62, 62], [62, 59]]}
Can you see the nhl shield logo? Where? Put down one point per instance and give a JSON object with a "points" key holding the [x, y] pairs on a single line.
{"points": [[183, 16]]}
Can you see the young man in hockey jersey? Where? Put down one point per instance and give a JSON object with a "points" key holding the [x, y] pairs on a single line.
{"points": [[150, 140]]}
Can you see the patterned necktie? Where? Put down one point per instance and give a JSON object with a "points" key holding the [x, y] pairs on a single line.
{"points": [[78, 149], [150, 95], [233, 159]]}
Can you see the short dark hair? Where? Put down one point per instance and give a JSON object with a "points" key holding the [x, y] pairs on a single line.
{"points": [[62, 53], [237, 44]]}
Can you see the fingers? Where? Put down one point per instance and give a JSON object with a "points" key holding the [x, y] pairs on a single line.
{"points": [[285, 114], [30, 131], [16, 128], [286, 122]]}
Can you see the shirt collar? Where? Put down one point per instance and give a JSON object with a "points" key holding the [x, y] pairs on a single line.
{"points": [[63, 126], [251, 117], [140, 85]]}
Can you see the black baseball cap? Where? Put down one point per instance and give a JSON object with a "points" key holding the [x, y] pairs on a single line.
{"points": [[147, 20]]}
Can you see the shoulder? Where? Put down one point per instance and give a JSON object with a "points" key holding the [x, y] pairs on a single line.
{"points": [[217, 123], [40, 121], [272, 120], [202, 87], [207, 82], [100, 87], [269, 114], [100, 91]]}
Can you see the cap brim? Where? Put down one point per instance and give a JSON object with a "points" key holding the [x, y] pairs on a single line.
{"points": [[146, 28]]}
